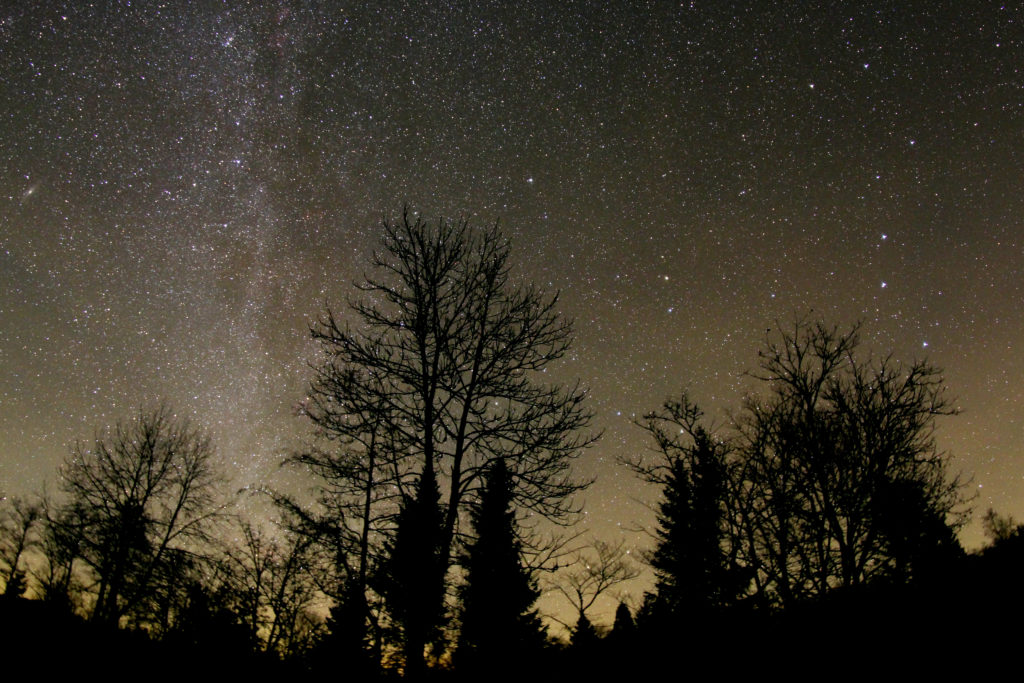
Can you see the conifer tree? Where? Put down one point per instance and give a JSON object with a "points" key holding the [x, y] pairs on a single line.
{"points": [[623, 627], [693, 570], [584, 639], [413, 580], [621, 644], [499, 624], [688, 561], [350, 641]]}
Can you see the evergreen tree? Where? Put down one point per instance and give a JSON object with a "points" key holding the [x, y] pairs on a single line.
{"points": [[499, 625], [583, 648], [693, 570], [688, 561], [623, 628], [620, 645], [350, 641], [413, 580]]}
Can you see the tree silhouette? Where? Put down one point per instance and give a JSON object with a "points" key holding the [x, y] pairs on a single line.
{"points": [[598, 568], [144, 489], [999, 528], [348, 642], [918, 541], [412, 579], [440, 363], [442, 367], [362, 474], [271, 582], [209, 626], [996, 570], [692, 560], [839, 445], [59, 546], [499, 627], [584, 637], [622, 637], [18, 521]]}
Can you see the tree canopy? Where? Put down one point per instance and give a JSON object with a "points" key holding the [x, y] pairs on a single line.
{"points": [[840, 443], [444, 355], [830, 479], [438, 367], [146, 489]]}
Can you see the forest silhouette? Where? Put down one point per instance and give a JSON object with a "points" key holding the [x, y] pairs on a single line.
{"points": [[817, 529]]}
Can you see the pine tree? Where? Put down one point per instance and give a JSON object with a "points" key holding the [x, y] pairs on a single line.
{"points": [[583, 647], [499, 625], [695, 573], [624, 627], [620, 645], [349, 641], [413, 580], [692, 570]]}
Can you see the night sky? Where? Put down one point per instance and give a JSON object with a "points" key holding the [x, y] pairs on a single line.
{"points": [[184, 187]]}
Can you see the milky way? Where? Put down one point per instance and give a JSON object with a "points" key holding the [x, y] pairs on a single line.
{"points": [[186, 185]]}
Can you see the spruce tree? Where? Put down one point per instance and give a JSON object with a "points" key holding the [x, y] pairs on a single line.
{"points": [[349, 637], [624, 627], [693, 572], [620, 645], [413, 581], [499, 625]]}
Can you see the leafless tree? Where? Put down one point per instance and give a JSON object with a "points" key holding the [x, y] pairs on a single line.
{"points": [[58, 550], [19, 520], [598, 568], [999, 528], [839, 474], [273, 587], [446, 355], [144, 489], [442, 361], [361, 478]]}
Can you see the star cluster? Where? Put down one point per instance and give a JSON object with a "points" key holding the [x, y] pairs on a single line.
{"points": [[185, 185]]}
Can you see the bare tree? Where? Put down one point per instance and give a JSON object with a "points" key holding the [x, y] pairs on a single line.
{"points": [[449, 348], [840, 479], [598, 568], [273, 587], [145, 488], [999, 528], [18, 521], [59, 550], [361, 481], [172, 589], [441, 362]]}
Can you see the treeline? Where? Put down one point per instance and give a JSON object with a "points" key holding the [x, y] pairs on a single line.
{"points": [[441, 455]]}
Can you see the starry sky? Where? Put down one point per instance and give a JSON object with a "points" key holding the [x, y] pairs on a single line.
{"points": [[185, 186]]}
